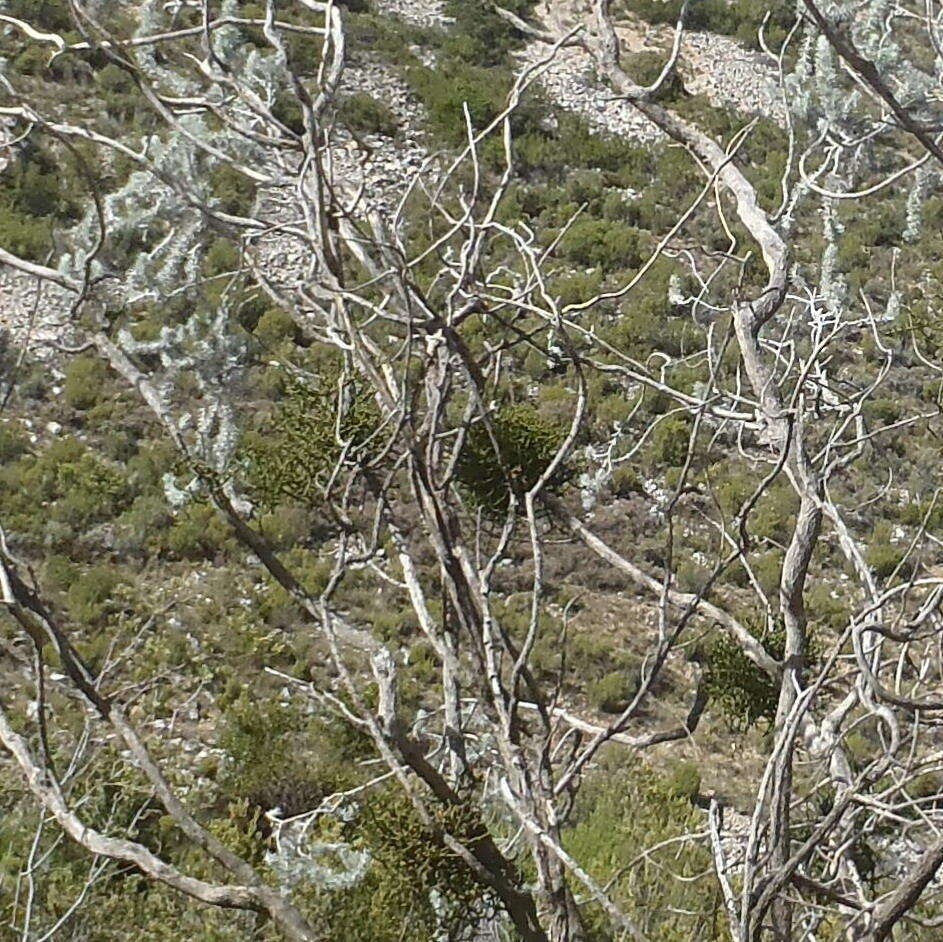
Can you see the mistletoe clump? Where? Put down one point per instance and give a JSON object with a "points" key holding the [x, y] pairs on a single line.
{"points": [[316, 427], [510, 458]]}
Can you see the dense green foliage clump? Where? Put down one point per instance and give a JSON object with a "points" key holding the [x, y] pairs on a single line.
{"points": [[85, 381], [481, 35], [627, 809], [743, 693], [741, 20], [35, 196], [613, 692], [66, 487], [366, 115], [313, 429], [510, 457], [412, 867], [272, 765]]}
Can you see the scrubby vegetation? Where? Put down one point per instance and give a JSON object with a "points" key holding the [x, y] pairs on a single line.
{"points": [[271, 498]]}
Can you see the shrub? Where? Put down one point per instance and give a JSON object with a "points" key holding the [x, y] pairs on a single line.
{"points": [[576, 287], [669, 441], [884, 558], [263, 767], [684, 780], [646, 67], [625, 481], [221, 256], [33, 60], [35, 194], [628, 812], [287, 110], [741, 19], [90, 491], [279, 758], [480, 35], [614, 692], [927, 785], [89, 597], [286, 526], [62, 488], [693, 574], [391, 39], [584, 186], [390, 624], [233, 191], [366, 115], [140, 527], [13, 443], [773, 516], [42, 14], [768, 569], [118, 92], [197, 533], [414, 866], [276, 326], [603, 243], [249, 305], [25, 235], [85, 378], [59, 572], [447, 89], [744, 693], [37, 186]]}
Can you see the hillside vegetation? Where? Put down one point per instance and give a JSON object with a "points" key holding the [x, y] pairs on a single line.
{"points": [[470, 472]]}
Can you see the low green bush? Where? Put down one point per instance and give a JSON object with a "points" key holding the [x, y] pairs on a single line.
{"points": [[287, 110], [366, 115], [741, 20], [625, 481], [233, 192], [453, 85], [197, 532], [60, 492], [85, 381], [884, 557], [89, 491], [603, 243], [480, 35], [669, 441], [140, 529], [42, 14], [645, 69], [275, 326], [25, 235], [744, 693], [37, 192], [221, 256], [13, 443], [90, 595], [613, 692], [287, 526], [627, 829], [684, 780]]}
